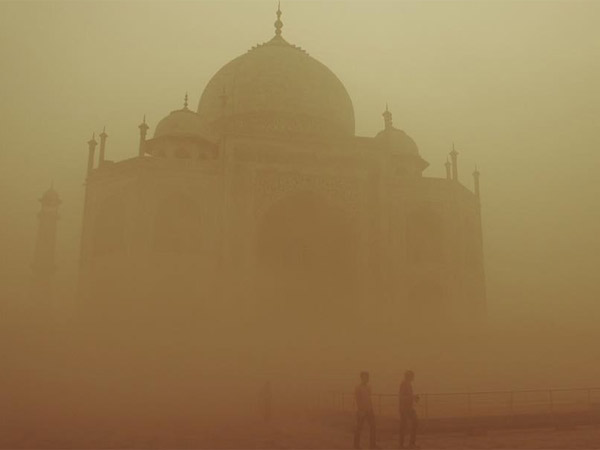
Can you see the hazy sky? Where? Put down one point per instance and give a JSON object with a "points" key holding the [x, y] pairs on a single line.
{"points": [[516, 85]]}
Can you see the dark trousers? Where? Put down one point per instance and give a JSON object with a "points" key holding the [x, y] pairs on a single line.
{"points": [[361, 417], [406, 416]]}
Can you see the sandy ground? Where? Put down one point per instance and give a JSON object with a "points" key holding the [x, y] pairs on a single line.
{"points": [[310, 435], [515, 439], [289, 433], [281, 436]]}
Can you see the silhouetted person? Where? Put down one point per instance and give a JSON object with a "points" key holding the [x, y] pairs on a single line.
{"points": [[265, 401], [364, 411], [406, 407]]}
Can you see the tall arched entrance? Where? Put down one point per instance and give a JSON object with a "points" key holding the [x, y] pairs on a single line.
{"points": [[306, 264]]}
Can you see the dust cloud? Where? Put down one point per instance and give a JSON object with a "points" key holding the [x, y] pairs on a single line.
{"points": [[516, 87]]}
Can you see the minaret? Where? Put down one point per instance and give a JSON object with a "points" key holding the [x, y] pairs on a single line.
{"points": [[103, 137], [91, 151], [143, 131], [454, 156], [387, 118], [476, 182], [43, 265], [448, 169]]}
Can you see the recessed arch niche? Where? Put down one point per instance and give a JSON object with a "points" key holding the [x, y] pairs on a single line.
{"points": [[306, 260]]}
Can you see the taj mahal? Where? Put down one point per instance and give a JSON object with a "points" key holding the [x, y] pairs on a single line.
{"points": [[262, 207]]}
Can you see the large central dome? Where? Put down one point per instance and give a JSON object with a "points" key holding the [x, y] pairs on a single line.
{"points": [[277, 88]]}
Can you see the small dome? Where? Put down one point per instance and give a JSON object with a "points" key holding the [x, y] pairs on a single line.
{"points": [[182, 122], [397, 140], [277, 87]]}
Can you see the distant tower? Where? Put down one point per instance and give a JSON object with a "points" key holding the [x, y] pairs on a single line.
{"points": [[43, 266]]}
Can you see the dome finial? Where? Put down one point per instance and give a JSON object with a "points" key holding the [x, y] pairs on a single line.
{"points": [[185, 101], [453, 152], [278, 22], [387, 118]]}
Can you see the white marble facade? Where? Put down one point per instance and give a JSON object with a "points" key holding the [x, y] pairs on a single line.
{"points": [[264, 204]]}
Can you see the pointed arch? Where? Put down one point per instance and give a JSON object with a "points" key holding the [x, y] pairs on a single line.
{"points": [[304, 232], [307, 263]]}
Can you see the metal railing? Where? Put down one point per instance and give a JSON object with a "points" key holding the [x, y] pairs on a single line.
{"points": [[483, 403]]}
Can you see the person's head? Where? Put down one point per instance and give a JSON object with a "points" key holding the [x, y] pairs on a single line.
{"points": [[364, 377], [409, 375]]}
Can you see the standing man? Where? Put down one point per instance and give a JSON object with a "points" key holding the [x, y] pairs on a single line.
{"points": [[406, 407], [364, 410]]}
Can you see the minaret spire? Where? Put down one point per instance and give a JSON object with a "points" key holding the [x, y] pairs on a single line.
{"points": [[185, 101], [91, 151], [278, 22], [454, 156], [103, 137]]}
